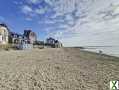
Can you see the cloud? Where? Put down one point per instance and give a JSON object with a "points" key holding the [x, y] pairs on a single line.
{"points": [[33, 1], [83, 22], [45, 23], [97, 25], [26, 9], [40, 11]]}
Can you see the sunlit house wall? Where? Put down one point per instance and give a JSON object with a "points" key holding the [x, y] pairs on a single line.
{"points": [[3, 35]]}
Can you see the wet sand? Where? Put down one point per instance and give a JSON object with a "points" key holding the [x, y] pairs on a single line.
{"points": [[56, 69]]}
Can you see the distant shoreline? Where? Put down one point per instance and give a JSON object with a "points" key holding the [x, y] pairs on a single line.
{"points": [[95, 53], [106, 50], [103, 54]]}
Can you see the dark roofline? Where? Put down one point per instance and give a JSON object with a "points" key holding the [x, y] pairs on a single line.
{"points": [[4, 25], [50, 38]]}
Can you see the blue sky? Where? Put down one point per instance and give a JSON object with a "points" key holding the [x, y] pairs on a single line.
{"points": [[74, 22]]}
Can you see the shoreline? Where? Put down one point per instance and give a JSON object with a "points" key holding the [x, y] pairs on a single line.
{"points": [[104, 53], [97, 55]]}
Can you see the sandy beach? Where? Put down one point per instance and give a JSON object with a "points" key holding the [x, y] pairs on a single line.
{"points": [[56, 69]]}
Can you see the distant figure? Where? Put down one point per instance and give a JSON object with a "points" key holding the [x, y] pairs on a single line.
{"points": [[100, 52]]}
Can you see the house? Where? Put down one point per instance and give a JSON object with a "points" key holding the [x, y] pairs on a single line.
{"points": [[31, 36], [4, 33], [16, 38], [50, 41], [53, 43], [58, 44], [20, 41]]}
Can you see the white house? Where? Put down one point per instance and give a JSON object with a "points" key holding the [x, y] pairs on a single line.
{"points": [[3, 34]]}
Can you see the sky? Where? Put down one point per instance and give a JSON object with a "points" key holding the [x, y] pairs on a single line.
{"points": [[73, 22]]}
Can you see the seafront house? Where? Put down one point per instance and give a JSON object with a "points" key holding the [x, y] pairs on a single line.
{"points": [[30, 36], [58, 44], [4, 33], [50, 41], [53, 43], [15, 38], [23, 41]]}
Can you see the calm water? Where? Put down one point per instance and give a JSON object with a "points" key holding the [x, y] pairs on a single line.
{"points": [[114, 51]]}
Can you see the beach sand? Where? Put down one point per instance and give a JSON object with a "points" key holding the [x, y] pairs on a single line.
{"points": [[56, 69]]}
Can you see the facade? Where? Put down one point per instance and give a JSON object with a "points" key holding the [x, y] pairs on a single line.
{"points": [[28, 37], [50, 40], [23, 41], [16, 38], [4, 33], [13, 38], [31, 36], [58, 44], [53, 43]]}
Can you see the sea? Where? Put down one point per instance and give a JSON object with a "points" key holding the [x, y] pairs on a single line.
{"points": [[109, 50]]}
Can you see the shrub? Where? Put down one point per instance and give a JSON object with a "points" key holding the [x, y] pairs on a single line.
{"points": [[5, 47]]}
